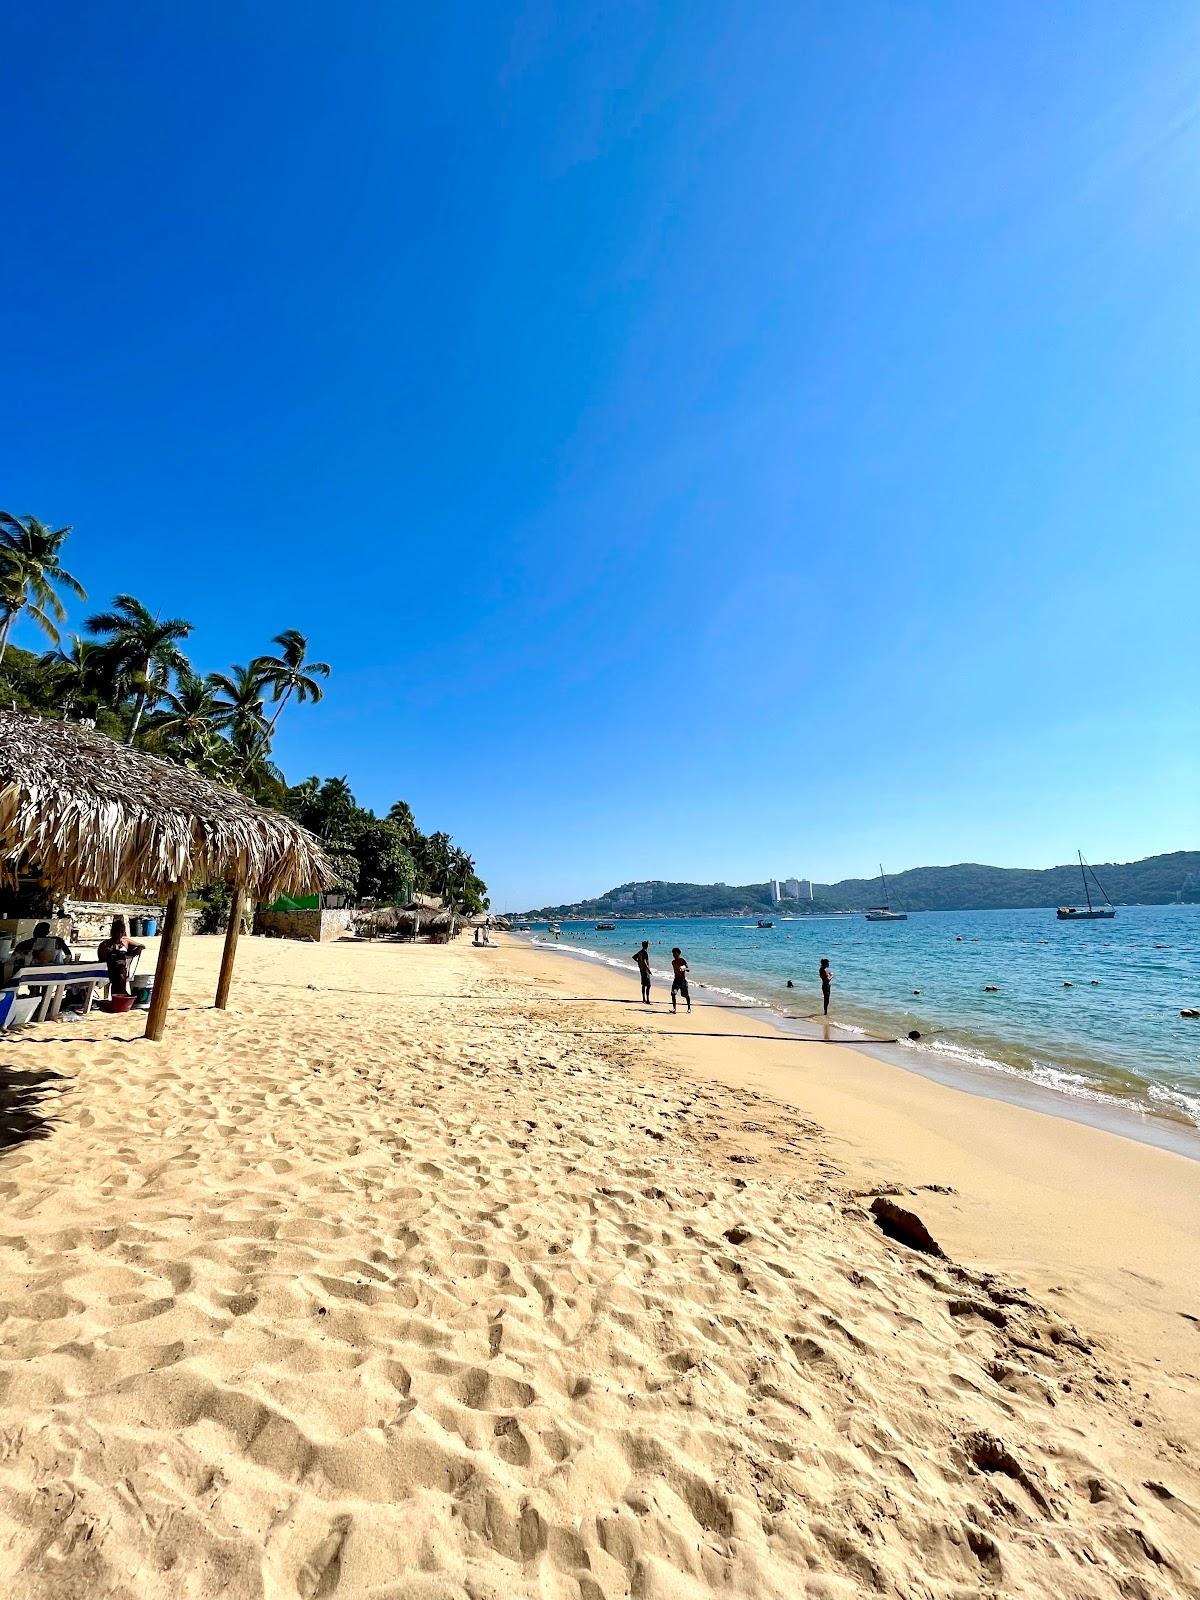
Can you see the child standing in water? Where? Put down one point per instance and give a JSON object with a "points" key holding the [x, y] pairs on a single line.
{"points": [[826, 977]]}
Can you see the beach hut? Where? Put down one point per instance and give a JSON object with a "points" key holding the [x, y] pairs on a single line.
{"points": [[100, 819]]}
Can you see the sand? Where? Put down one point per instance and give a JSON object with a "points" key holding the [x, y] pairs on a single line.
{"points": [[416, 1274]]}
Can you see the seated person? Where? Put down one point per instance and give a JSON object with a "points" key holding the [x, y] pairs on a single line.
{"points": [[43, 949], [117, 953]]}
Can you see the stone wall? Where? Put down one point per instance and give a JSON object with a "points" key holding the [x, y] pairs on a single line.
{"points": [[318, 927], [90, 920]]}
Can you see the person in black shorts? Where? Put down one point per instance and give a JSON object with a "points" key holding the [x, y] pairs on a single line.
{"points": [[679, 983], [641, 959], [826, 977]]}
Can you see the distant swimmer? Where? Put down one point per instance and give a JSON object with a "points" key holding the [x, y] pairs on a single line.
{"points": [[679, 984], [826, 977], [641, 959]]}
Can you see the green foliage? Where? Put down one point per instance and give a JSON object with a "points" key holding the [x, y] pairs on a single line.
{"points": [[387, 872], [1158, 880], [216, 903], [31, 575], [133, 680], [385, 858]]}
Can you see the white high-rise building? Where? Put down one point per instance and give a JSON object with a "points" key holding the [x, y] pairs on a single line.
{"points": [[791, 888], [774, 891]]}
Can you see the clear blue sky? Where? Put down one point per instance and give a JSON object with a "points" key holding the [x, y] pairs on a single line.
{"points": [[708, 441]]}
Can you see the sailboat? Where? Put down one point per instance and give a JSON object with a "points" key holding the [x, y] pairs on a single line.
{"points": [[884, 913], [1093, 913]]}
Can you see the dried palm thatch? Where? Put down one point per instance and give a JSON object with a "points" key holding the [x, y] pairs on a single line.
{"points": [[96, 818]]}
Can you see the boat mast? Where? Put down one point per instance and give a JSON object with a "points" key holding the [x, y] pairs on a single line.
{"points": [[1100, 886], [886, 902], [1083, 875]]}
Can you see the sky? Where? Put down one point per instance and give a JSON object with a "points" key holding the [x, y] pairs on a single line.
{"points": [[708, 442]]}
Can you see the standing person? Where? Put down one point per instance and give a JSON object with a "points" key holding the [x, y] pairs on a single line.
{"points": [[679, 984], [826, 977], [117, 953], [641, 959]]}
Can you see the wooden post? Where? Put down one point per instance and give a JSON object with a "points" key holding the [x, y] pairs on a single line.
{"points": [[231, 944], [164, 972]]}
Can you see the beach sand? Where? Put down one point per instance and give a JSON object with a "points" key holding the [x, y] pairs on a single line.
{"points": [[443, 1272]]}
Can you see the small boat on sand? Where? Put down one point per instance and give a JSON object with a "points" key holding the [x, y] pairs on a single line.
{"points": [[1093, 913]]}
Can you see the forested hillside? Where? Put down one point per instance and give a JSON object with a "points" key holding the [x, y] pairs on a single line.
{"points": [[1158, 880]]}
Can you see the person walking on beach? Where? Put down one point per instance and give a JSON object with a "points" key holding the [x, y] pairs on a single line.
{"points": [[641, 960], [826, 977], [679, 984]]}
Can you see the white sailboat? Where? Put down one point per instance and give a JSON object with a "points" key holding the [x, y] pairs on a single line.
{"points": [[884, 913], [1093, 913]]}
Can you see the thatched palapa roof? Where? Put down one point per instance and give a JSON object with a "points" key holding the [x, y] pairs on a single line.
{"points": [[98, 818]]}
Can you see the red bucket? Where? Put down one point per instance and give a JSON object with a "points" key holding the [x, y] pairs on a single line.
{"points": [[121, 1002]]}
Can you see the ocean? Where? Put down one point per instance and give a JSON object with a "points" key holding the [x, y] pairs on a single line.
{"points": [[1087, 1011]]}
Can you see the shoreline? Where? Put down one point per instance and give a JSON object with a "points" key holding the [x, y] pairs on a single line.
{"points": [[1108, 1222], [436, 1271], [987, 1077]]}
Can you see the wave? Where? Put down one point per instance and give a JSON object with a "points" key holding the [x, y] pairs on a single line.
{"points": [[1110, 1088]]}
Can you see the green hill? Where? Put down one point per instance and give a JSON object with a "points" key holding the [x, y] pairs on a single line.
{"points": [[1158, 880]]}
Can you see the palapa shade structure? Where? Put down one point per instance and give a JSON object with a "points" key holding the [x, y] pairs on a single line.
{"points": [[97, 818]]}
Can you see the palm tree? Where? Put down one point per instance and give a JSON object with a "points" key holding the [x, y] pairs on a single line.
{"points": [[188, 727], [142, 651], [252, 771], [334, 810], [240, 711], [436, 852], [289, 674], [75, 671], [401, 815], [29, 572]]}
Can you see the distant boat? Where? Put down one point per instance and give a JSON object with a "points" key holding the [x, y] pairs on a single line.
{"points": [[884, 913], [1093, 913], [605, 927], [766, 924]]}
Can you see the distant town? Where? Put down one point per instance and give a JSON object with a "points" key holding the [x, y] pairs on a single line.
{"points": [[645, 894]]}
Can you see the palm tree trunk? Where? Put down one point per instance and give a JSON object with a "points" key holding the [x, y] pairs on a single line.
{"points": [[141, 704], [267, 737], [270, 729], [4, 631]]}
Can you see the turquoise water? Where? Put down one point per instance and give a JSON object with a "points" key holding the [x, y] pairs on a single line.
{"points": [[1114, 1037]]}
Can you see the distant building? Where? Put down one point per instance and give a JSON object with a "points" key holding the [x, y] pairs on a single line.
{"points": [[791, 888], [774, 886]]}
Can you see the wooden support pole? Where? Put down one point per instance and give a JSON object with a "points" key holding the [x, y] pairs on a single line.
{"points": [[231, 944], [164, 973]]}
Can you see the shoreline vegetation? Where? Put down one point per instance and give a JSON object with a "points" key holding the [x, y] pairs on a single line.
{"points": [[485, 1280], [1154, 880], [128, 674]]}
